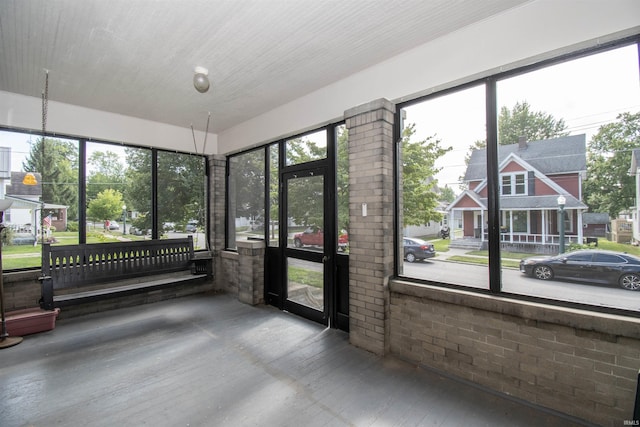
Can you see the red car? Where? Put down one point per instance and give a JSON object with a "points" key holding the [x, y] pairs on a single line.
{"points": [[314, 236]]}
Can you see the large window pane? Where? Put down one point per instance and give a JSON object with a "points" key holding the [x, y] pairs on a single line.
{"points": [[306, 148], [274, 195], [182, 187], [138, 194], [43, 207], [246, 197], [443, 188], [105, 192], [566, 135], [342, 187]]}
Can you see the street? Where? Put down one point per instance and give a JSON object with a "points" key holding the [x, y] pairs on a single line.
{"points": [[441, 270]]}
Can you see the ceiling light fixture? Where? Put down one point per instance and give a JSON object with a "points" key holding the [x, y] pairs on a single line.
{"points": [[201, 79]]}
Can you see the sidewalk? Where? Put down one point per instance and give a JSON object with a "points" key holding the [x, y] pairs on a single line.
{"points": [[444, 256]]}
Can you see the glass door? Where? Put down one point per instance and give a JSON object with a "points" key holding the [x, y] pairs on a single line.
{"points": [[309, 236]]}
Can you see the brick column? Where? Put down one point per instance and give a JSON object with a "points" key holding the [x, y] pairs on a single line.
{"points": [[371, 260], [251, 271], [217, 186]]}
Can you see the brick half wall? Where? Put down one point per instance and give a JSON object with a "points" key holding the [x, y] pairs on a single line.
{"points": [[581, 363]]}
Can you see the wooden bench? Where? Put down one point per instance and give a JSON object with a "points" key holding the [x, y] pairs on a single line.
{"points": [[75, 274]]}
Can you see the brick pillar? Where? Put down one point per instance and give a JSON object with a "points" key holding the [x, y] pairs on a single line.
{"points": [[251, 271], [371, 259], [217, 186]]}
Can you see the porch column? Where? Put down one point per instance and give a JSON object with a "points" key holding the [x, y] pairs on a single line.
{"points": [[452, 232], [482, 225], [217, 189], [371, 245], [543, 223], [580, 235]]}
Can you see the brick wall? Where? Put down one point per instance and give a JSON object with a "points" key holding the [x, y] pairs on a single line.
{"points": [[251, 271], [21, 290], [577, 362], [371, 261], [217, 189]]}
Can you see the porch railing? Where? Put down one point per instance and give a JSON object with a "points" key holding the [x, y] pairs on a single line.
{"points": [[547, 239]]}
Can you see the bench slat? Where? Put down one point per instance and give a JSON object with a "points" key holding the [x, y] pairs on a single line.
{"points": [[85, 265]]}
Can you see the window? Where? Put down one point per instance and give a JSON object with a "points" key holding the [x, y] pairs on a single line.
{"points": [[118, 193], [274, 195], [560, 128], [306, 148], [342, 187], [442, 171], [182, 198], [514, 184], [246, 195]]}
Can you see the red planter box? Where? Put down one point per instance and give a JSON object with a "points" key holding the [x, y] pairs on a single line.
{"points": [[30, 321]]}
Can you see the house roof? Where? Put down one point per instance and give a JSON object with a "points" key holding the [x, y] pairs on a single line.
{"points": [[595, 218], [565, 154], [17, 188]]}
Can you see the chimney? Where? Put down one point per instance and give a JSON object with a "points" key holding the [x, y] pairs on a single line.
{"points": [[522, 143]]}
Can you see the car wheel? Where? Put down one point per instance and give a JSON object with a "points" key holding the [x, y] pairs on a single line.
{"points": [[542, 272], [411, 257], [630, 281], [297, 243]]}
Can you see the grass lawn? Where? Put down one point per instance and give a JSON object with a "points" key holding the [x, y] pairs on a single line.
{"points": [[28, 256]]}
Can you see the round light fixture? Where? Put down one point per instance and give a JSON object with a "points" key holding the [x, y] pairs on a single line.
{"points": [[201, 79]]}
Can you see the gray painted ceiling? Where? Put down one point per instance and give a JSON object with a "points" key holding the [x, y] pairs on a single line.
{"points": [[137, 57]]}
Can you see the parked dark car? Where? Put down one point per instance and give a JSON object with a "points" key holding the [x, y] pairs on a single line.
{"points": [[417, 249], [594, 266]]}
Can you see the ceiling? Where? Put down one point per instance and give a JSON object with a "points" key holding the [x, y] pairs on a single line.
{"points": [[137, 58]]}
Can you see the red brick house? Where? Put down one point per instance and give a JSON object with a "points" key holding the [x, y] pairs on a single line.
{"points": [[532, 177]]}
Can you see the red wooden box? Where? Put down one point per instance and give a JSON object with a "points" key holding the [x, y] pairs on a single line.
{"points": [[30, 321]]}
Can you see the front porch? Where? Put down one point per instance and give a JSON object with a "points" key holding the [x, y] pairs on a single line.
{"points": [[515, 242]]}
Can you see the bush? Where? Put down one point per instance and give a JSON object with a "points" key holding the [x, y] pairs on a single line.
{"points": [[73, 226]]}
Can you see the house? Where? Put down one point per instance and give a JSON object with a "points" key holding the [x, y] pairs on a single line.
{"points": [[635, 216], [595, 224], [533, 175], [26, 209]]}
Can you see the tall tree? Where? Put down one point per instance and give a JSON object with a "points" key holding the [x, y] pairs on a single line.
{"points": [[106, 206], [419, 195], [138, 185], [59, 170], [522, 121], [182, 185], [609, 187], [106, 170]]}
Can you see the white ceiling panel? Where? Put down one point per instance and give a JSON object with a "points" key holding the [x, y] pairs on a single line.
{"points": [[137, 58]]}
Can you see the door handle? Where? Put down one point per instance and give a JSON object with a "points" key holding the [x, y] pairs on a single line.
{"points": [[325, 258]]}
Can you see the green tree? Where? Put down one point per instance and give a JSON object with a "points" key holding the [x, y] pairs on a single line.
{"points": [[419, 195], [181, 188], [247, 184], [106, 171], [447, 194], [106, 206], [59, 171], [533, 125], [609, 187], [342, 178], [521, 121], [138, 185]]}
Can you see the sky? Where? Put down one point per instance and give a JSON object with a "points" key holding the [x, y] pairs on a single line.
{"points": [[586, 93]]}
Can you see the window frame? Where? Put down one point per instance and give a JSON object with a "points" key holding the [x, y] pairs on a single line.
{"points": [[82, 176], [494, 177]]}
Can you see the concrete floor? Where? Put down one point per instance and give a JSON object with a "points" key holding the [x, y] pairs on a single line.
{"points": [[209, 360]]}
